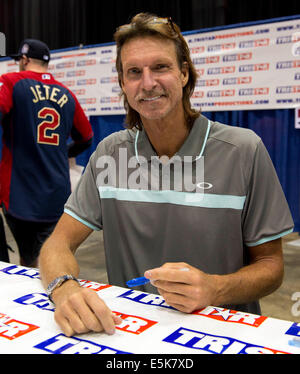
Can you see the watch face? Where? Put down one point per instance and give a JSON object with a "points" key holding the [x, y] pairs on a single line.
{"points": [[59, 281], [56, 282]]}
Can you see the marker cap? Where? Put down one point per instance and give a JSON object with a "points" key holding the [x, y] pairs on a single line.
{"points": [[137, 282]]}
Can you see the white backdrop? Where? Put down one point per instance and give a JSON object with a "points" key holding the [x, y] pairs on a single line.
{"points": [[241, 68]]}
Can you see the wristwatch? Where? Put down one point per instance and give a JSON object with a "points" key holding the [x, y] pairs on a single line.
{"points": [[57, 282]]}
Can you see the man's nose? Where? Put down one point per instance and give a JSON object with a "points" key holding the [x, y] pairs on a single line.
{"points": [[148, 80]]}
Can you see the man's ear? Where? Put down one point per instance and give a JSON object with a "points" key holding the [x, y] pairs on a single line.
{"points": [[184, 73], [26, 60]]}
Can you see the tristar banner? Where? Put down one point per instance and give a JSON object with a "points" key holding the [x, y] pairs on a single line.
{"points": [[253, 67], [240, 68], [149, 326]]}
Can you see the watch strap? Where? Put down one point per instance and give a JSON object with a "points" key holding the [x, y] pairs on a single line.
{"points": [[57, 282]]}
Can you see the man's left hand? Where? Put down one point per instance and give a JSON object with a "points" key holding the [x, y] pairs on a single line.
{"points": [[183, 286]]}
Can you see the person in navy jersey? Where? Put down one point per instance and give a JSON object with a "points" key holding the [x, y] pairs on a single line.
{"points": [[38, 115]]}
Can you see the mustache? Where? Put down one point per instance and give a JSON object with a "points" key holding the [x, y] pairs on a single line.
{"points": [[149, 95]]}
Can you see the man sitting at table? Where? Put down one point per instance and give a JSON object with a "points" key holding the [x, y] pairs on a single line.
{"points": [[226, 232]]}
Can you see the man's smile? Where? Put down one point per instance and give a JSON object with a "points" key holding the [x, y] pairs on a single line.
{"points": [[151, 98]]}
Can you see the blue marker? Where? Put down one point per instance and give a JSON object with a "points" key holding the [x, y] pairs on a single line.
{"points": [[143, 280], [137, 282]]}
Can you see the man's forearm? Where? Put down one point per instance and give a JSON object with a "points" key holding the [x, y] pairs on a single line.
{"points": [[57, 254], [193, 289], [248, 284], [77, 309], [56, 260]]}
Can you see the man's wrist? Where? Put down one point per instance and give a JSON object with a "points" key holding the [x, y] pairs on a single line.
{"points": [[219, 282], [57, 283]]}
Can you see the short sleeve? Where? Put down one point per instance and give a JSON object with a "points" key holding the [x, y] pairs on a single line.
{"points": [[5, 95], [84, 203], [82, 129], [266, 215]]}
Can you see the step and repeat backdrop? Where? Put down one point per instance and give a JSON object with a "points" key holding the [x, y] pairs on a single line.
{"points": [[240, 68]]}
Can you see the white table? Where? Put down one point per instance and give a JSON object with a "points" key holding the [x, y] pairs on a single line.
{"points": [[150, 325]]}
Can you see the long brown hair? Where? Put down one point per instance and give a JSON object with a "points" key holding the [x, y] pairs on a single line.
{"points": [[145, 24]]}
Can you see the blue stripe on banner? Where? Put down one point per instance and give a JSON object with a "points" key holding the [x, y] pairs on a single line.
{"points": [[203, 200]]}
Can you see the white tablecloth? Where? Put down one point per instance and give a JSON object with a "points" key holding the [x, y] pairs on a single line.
{"points": [[150, 325]]}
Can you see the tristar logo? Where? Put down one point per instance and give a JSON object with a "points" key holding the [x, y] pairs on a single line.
{"points": [[20, 270], [11, 328], [93, 285], [202, 342], [145, 298], [41, 300], [61, 344], [228, 315], [294, 329], [134, 324]]}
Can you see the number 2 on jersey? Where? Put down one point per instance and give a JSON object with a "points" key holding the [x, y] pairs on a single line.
{"points": [[45, 130]]}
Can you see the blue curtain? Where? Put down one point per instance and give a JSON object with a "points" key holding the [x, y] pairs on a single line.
{"points": [[102, 127], [275, 127]]}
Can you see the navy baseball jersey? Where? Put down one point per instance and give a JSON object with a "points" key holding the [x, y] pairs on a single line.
{"points": [[38, 115]]}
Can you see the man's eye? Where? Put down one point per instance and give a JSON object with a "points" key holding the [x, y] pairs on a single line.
{"points": [[161, 67], [133, 71]]}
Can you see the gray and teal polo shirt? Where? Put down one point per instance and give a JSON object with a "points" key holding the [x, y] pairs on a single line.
{"points": [[237, 202]]}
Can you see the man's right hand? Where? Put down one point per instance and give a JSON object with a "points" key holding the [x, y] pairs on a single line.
{"points": [[80, 310]]}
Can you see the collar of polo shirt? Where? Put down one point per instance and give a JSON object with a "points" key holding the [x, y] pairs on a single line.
{"points": [[193, 145]]}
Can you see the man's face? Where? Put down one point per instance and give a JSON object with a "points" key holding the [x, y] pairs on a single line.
{"points": [[152, 80]]}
